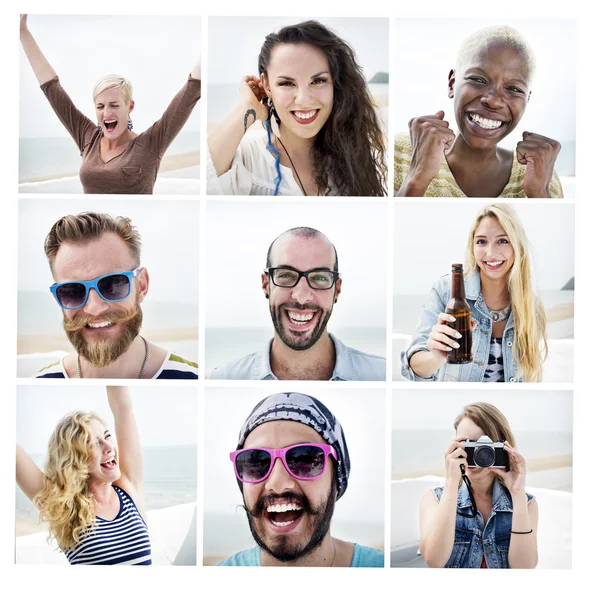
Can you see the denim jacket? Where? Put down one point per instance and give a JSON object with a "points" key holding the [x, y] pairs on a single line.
{"points": [[474, 539], [437, 300]]}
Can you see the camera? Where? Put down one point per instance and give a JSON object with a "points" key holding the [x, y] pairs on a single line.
{"points": [[485, 454]]}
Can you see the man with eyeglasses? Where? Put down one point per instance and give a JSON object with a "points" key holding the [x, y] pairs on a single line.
{"points": [[100, 285], [302, 283], [292, 465]]}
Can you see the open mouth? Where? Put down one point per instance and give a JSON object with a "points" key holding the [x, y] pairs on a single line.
{"points": [[304, 117], [284, 516], [300, 319], [109, 465], [110, 125], [485, 124], [101, 326], [494, 265]]}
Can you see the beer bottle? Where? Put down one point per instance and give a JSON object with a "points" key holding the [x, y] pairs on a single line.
{"points": [[458, 307]]}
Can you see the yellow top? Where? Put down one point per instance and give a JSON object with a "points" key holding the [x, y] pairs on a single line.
{"points": [[444, 184]]}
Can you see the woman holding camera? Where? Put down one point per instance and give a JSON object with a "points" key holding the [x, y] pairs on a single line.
{"points": [[482, 517], [509, 338], [91, 490]]}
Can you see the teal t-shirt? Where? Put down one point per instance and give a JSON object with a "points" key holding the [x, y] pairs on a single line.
{"points": [[363, 556]]}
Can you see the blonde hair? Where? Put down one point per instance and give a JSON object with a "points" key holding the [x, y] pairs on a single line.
{"points": [[87, 226], [113, 81], [65, 502], [530, 322], [490, 35]]}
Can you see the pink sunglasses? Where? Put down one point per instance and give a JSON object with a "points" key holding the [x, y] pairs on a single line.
{"points": [[302, 461]]}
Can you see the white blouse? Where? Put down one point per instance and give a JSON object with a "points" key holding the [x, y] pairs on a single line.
{"points": [[252, 172]]}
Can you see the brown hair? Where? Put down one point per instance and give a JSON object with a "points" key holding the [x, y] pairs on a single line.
{"points": [[493, 423], [87, 226]]}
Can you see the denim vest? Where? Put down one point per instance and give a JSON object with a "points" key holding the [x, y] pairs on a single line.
{"points": [[437, 300], [474, 539]]}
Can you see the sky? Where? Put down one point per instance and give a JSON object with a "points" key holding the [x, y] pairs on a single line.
{"points": [[421, 71], [230, 62], [424, 249], [172, 422], [526, 410], [156, 53]]}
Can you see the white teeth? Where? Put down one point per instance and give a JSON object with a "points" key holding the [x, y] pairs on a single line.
{"points": [[283, 508], [300, 318], [485, 123], [282, 524], [494, 264], [109, 122], [304, 115], [97, 325]]}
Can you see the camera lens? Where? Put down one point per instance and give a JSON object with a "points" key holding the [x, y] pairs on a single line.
{"points": [[484, 456]]}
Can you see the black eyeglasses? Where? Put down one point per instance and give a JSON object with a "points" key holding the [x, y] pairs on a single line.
{"points": [[317, 279]]}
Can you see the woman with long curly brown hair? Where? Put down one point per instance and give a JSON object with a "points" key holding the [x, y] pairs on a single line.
{"points": [[91, 492], [322, 132]]}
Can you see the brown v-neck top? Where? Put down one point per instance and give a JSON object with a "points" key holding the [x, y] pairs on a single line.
{"points": [[134, 171]]}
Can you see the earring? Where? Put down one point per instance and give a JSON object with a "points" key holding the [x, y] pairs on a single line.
{"points": [[266, 296], [99, 129], [272, 111], [129, 123]]}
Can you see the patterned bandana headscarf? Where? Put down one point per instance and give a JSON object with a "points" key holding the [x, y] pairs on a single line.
{"points": [[293, 406]]}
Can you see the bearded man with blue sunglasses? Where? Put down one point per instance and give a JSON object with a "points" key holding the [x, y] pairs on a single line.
{"points": [[100, 285]]}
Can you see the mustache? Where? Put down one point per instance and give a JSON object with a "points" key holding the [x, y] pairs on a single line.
{"points": [[297, 306], [265, 501], [80, 321]]}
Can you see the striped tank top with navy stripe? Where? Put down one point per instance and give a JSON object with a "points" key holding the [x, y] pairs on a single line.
{"points": [[122, 541]]}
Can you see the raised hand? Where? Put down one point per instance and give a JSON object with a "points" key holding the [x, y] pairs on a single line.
{"points": [[430, 136], [538, 153], [442, 338], [252, 93], [454, 457], [515, 477]]}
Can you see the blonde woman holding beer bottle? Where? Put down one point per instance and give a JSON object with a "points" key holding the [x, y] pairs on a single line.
{"points": [[508, 323]]}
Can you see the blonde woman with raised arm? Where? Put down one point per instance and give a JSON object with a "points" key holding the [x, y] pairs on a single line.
{"points": [[91, 490], [115, 159]]}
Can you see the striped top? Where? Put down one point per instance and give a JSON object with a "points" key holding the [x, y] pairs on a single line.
{"points": [[495, 369], [444, 184], [173, 367], [123, 541]]}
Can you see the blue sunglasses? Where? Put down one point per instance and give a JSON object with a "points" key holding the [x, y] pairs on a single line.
{"points": [[113, 287]]}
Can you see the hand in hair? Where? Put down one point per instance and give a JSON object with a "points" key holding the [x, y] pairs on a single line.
{"points": [[538, 153], [430, 136], [252, 93]]}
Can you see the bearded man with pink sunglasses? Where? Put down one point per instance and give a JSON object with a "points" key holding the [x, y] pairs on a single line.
{"points": [[292, 465]]}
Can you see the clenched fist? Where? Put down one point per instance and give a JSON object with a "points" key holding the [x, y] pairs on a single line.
{"points": [[538, 153]]}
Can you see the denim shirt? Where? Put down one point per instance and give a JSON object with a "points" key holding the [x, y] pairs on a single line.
{"points": [[351, 365], [474, 539], [437, 300]]}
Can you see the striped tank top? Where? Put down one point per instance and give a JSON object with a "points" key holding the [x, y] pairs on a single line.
{"points": [[122, 541]]}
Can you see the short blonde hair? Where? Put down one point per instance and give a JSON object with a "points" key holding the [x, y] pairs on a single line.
{"points": [[489, 35], [113, 81]]}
